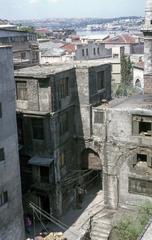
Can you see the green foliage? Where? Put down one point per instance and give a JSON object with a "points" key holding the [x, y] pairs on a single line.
{"points": [[126, 91], [126, 70], [132, 228], [29, 29]]}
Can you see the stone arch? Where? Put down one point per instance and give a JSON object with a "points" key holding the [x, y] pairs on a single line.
{"points": [[90, 160], [138, 83]]}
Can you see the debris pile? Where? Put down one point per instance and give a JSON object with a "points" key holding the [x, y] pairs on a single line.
{"points": [[55, 236]]}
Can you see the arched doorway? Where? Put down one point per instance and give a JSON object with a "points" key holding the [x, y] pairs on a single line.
{"points": [[91, 162], [138, 83]]}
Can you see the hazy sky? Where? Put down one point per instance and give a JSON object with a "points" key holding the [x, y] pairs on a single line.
{"points": [[23, 9]]}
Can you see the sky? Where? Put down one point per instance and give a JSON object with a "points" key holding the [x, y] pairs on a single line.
{"points": [[31, 9]]}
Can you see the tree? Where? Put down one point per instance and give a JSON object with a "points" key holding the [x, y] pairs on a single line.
{"points": [[126, 70]]}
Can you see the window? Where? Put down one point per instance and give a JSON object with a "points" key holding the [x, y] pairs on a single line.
{"points": [[98, 50], [140, 157], [3, 198], [83, 54], [64, 123], [94, 51], [139, 186], [21, 90], [98, 117], [87, 53], [2, 155], [64, 87], [0, 110], [44, 174], [23, 55], [61, 160], [100, 80], [115, 55], [37, 129], [142, 125]]}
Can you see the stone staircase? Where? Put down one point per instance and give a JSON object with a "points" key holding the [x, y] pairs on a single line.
{"points": [[101, 225]]}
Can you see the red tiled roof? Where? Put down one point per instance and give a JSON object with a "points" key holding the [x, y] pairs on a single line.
{"points": [[140, 65], [70, 48], [124, 38]]}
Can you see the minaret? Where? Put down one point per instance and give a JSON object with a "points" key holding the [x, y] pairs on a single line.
{"points": [[147, 30]]}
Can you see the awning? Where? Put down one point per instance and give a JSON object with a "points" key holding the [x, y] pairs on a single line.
{"points": [[39, 161]]}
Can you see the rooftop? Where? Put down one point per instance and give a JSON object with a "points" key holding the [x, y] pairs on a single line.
{"points": [[43, 71], [138, 102]]}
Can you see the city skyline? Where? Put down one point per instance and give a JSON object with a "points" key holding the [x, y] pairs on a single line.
{"points": [[36, 9]]}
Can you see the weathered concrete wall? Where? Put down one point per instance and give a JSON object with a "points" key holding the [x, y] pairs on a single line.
{"points": [[120, 149], [11, 218]]}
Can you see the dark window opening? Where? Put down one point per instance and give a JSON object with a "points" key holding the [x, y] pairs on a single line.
{"points": [[145, 127], [21, 90], [100, 80], [142, 125], [87, 53], [2, 155], [44, 174], [141, 158], [151, 21], [37, 129], [83, 54], [98, 50], [64, 87], [3, 198], [98, 117], [94, 51]]}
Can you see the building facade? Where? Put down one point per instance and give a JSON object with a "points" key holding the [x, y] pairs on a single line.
{"points": [[53, 103], [24, 46], [11, 214]]}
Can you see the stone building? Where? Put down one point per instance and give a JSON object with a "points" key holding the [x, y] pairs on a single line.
{"points": [[24, 46], [91, 50], [11, 218], [54, 109]]}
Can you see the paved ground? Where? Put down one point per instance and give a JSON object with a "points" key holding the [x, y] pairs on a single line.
{"points": [[76, 219], [148, 233]]}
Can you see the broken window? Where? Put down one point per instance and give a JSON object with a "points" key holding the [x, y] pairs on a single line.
{"points": [[2, 155], [140, 186], [64, 123], [98, 117], [142, 158], [21, 90], [64, 87], [3, 198], [142, 125], [37, 128], [100, 80]]}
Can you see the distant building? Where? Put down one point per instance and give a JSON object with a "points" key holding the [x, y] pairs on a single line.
{"points": [[11, 214], [131, 43], [91, 50], [24, 45]]}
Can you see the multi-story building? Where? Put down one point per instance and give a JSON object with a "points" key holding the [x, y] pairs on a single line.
{"points": [[11, 218], [24, 46], [54, 108]]}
